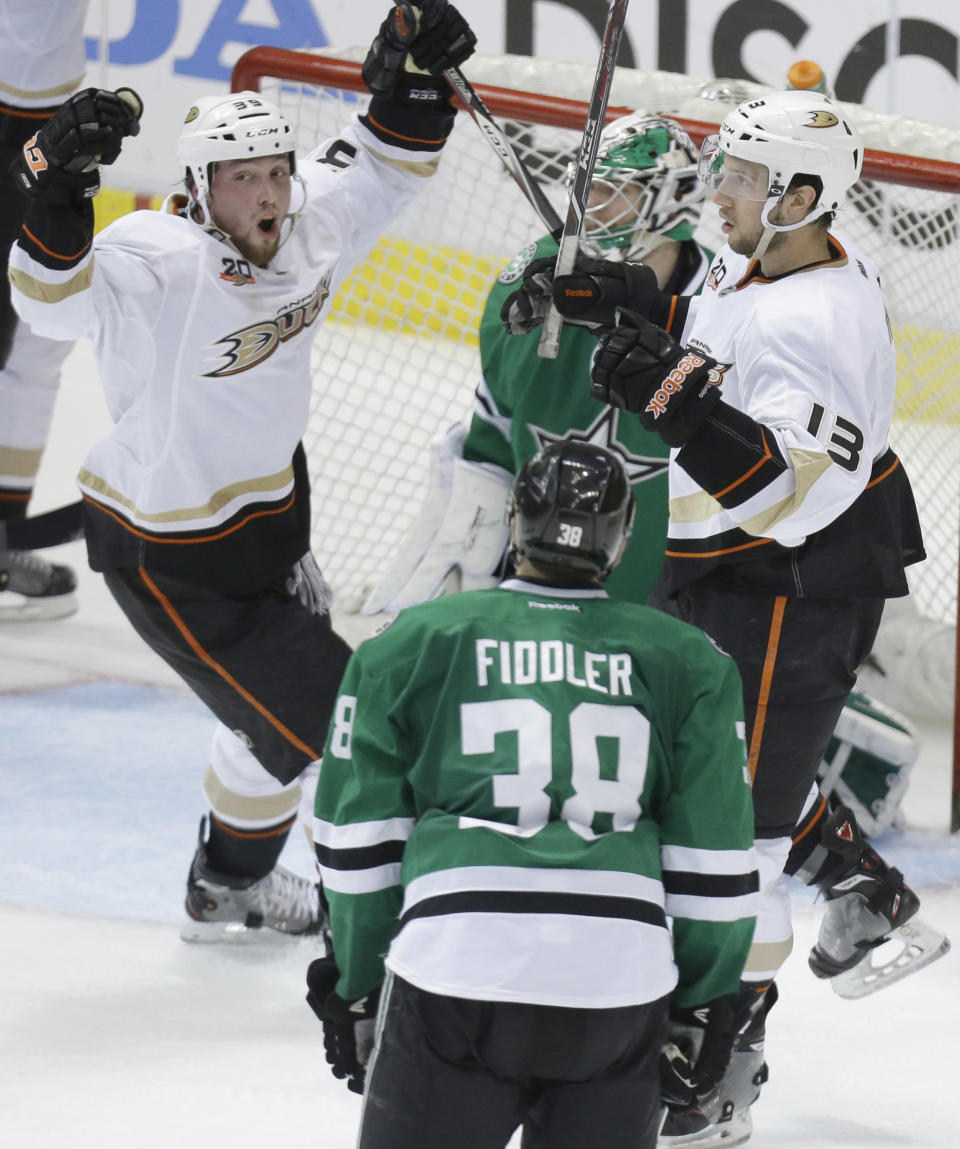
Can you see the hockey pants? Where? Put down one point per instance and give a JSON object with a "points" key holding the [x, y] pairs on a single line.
{"points": [[449, 1072]]}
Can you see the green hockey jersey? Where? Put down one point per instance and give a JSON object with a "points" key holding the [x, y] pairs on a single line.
{"points": [[524, 402], [524, 789]]}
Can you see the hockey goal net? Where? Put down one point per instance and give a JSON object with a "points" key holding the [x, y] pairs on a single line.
{"points": [[396, 361]]}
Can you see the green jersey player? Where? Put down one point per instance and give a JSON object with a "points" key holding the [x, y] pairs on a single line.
{"points": [[521, 784], [645, 201]]}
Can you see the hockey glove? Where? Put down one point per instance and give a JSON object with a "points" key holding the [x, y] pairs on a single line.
{"points": [[60, 162], [590, 297], [445, 39], [696, 1052], [413, 48], [526, 308], [348, 1026], [599, 288], [640, 368]]}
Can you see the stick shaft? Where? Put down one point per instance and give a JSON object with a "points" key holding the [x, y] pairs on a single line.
{"points": [[586, 161], [500, 142]]}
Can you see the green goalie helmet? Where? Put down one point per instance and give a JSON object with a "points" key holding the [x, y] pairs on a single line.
{"points": [[572, 511], [645, 187]]}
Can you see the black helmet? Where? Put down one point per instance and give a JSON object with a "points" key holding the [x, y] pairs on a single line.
{"points": [[573, 508]]}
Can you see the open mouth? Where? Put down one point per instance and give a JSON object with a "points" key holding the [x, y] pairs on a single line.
{"points": [[268, 225]]}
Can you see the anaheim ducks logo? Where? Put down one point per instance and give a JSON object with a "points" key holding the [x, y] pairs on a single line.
{"points": [[822, 120], [252, 345], [676, 381]]}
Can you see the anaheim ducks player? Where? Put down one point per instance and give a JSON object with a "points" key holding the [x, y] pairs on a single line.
{"points": [[791, 522], [197, 502]]}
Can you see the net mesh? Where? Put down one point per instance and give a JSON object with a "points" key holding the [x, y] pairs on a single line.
{"points": [[396, 361]]}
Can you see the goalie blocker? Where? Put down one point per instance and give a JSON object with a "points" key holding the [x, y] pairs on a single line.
{"points": [[459, 540]]}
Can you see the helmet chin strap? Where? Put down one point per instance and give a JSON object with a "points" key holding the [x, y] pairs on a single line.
{"points": [[771, 229]]}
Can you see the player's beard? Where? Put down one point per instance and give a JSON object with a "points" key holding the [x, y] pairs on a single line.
{"points": [[745, 242], [257, 248]]}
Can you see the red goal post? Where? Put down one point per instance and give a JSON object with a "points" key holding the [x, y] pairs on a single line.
{"points": [[396, 361]]}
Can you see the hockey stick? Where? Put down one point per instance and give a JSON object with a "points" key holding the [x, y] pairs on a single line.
{"points": [[509, 157], [52, 529], [586, 161]]}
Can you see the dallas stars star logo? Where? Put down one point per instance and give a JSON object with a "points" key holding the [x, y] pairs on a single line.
{"points": [[602, 432]]}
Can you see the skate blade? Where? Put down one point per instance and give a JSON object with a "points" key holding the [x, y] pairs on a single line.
{"points": [[908, 949], [730, 1134], [22, 608], [237, 934]]}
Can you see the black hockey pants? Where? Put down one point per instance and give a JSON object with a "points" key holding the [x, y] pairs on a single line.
{"points": [[263, 663], [797, 659], [447, 1072]]}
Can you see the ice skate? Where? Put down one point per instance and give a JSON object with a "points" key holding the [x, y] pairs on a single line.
{"points": [[870, 936], [32, 588], [225, 908]]}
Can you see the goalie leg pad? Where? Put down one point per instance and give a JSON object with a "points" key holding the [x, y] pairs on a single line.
{"points": [[868, 761], [462, 530]]}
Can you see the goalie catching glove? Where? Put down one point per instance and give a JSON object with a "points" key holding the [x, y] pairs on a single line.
{"points": [[696, 1052], [591, 297], [640, 368], [61, 161], [348, 1026], [416, 44]]}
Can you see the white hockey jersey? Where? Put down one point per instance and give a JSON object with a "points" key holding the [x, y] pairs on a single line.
{"points": [[43, 54], [204, 360], [803, 495]]}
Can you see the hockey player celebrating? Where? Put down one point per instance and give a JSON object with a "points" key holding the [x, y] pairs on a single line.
{"points": [[520, 785], [791, 520], [645, 202], [197, 502]]}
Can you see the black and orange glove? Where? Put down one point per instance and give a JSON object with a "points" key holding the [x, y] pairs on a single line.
{"points": [[639, 368], [61, 162]]}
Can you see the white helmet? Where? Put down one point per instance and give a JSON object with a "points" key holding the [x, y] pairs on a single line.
{"points": [[790, 133], [238, 127], [652, 154]]}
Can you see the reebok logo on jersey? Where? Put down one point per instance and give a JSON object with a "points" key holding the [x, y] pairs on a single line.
{"points": [[553, 605]]}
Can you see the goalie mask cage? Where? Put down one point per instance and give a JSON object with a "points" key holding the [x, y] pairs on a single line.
{"points": [[396, 360]]}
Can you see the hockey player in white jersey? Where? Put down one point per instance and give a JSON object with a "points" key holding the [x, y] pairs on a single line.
{"points": [[520, 785], [791, 521], [42, 62], [196, 504]]}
